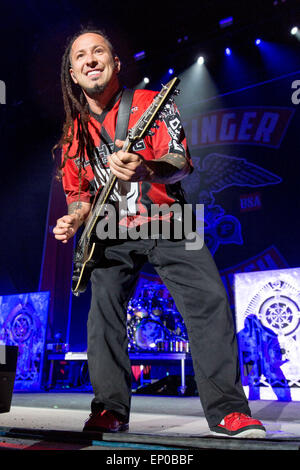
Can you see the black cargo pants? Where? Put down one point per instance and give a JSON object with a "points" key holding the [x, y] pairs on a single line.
{"points": [[194, 283]]}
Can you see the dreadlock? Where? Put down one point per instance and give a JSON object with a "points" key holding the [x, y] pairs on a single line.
{"points": [[76, 107]]}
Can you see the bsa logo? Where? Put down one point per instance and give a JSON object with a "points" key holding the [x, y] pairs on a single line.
{"points": [[250, 202]]}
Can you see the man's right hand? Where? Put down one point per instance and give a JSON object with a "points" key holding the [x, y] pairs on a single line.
{"points": [[66, 227]]}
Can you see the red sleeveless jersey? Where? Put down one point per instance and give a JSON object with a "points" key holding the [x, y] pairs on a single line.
{"points": [[168, 138]]}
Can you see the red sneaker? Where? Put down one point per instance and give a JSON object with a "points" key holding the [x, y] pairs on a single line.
{"points": [[106, 421], [240, 425]]}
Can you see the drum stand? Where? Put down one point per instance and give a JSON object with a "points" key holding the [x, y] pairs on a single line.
{"points": [[182, 387]]}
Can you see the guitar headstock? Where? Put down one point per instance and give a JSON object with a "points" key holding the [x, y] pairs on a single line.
{"points": [[146, 122]]}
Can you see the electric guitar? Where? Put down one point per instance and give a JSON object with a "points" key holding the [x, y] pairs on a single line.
{"points": [[88, 251]]}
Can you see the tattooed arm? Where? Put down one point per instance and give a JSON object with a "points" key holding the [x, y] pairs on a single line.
{"points": [[81, 209], [67, 226], [168, 169]]}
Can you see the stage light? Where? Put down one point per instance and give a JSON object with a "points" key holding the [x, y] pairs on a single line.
{"points": [[185, 38], [197, 82], [226, 22], [146, 80], [257, 42], [139, 55], [294, 30], [171, 71], [228, 51]]}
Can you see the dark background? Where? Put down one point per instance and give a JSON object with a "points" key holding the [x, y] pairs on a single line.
{"points": [[33, 35]]}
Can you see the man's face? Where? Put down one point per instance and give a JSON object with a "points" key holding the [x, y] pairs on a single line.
{"points": [[92, 65]]}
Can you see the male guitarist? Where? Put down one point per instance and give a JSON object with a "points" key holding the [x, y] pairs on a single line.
{"points": [[152, 173]]}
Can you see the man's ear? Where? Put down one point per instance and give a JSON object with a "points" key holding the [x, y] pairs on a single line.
{"points": [[117, 64], [73, 76]]}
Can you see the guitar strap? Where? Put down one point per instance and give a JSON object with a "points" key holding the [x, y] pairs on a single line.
{"points": [[123, 115], [121, 125]]}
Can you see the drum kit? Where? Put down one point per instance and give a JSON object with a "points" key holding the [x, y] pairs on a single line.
{"points": [[154, 323]]}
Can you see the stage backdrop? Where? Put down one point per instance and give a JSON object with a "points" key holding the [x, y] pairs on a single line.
{"points": [[245, 147], [268, 319], [23, 323]]}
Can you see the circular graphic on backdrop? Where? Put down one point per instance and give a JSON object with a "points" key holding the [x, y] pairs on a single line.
{"points": [[22, 326], [280, 314]]}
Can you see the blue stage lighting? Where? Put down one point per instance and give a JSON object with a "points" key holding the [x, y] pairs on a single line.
{"points": [[171, 71], [257, 42], [139, 55], [227, 51], [226, 22]]}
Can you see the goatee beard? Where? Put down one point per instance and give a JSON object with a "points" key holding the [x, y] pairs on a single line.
{"points": [[96, 90]]}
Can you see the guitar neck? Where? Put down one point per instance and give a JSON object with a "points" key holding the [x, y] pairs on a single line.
{"points": [[97, 209], [107, 190], [140, 129]]}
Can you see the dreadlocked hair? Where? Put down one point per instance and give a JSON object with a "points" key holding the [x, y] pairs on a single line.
{"points": [[76, 108]]}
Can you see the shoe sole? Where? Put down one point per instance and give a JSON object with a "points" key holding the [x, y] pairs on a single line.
{"points": [[253, 433], [124, 428]]}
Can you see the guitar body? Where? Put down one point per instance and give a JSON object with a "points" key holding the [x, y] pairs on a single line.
{"points": [[84, 263]]}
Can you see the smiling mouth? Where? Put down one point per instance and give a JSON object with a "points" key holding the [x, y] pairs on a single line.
{"points": [[94, 73]]}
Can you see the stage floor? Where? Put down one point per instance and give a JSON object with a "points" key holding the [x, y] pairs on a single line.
{"points": [[53, 421]]}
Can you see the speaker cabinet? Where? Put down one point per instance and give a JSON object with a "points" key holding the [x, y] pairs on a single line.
{"points": [[8, 367]]}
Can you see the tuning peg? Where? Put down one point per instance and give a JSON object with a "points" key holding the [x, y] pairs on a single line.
{"points": [[130, 135], [155, 126], [150, 133], [176, 92]]}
